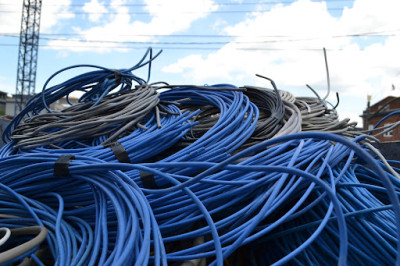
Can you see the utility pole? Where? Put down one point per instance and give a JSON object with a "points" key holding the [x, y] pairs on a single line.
{"points": [[28, 53]]}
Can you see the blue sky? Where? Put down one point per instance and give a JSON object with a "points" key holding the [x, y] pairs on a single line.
{"points": [[224, 41]]}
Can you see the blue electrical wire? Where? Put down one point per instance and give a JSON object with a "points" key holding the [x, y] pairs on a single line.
{"points": [[386, 117], [140, 145], [123, 204], [234, 202], [304, 198], [95, 85]]}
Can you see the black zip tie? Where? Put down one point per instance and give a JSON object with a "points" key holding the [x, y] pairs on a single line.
{"points": [[62, 164], [119, 152], [148, 180], [117, 76]]}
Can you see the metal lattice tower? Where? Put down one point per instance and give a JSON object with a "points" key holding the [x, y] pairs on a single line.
{"points": [[28, 53]]}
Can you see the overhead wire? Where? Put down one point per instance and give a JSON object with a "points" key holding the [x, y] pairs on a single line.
{"points": [[221, 3], [145, 13]]}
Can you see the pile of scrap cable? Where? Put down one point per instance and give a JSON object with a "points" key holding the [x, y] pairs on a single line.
{"points": [[151, 173]]}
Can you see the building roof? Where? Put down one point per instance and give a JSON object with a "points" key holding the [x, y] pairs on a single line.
{"points": [[379, 107], [385, 100]]}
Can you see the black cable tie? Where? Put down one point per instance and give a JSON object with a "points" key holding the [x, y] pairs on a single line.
{"points": [[117, 75], [148, 180], [119, 152], [62, 164]]}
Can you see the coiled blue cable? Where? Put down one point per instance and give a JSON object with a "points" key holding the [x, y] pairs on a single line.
{"points": [[239, 197], [296, 195], [95, 85]]}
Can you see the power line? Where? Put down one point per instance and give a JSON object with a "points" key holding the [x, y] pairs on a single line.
{"points": [[182, 45], [172, 48], [220, 4], [147, 35], [202, 43], [141, 13], [386, 33], [151, 43]]}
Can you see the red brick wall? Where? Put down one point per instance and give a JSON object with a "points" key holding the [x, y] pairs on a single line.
{"points": [[394, 105], [396, 131]]}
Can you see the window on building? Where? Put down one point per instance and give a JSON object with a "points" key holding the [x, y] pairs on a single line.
{"points": [[389, 133], [384, 108]]}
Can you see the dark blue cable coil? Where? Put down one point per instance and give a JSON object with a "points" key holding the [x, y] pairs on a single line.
{"points": [[161, 193]]}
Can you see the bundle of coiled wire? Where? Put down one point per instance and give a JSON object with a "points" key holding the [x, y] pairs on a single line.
{"points": [[275, 117], [317, 116], [207, 174], [292, 120], [93, 216], [372, 225], [263, 193], [114, 116], [140, 145], [95, 86], [272, 112], [234, 122], [130, 119]]}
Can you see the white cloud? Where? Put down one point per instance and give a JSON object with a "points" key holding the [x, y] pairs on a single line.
{"points": [[53, 12], [10, 18], [369, 15], [123, 27], [176, 15], [77, 45], [357, 68], [219, 23], [95, 9], [274, 56]]}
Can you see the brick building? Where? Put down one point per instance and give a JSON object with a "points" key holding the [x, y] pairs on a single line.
{"points": [[374, 113]]}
